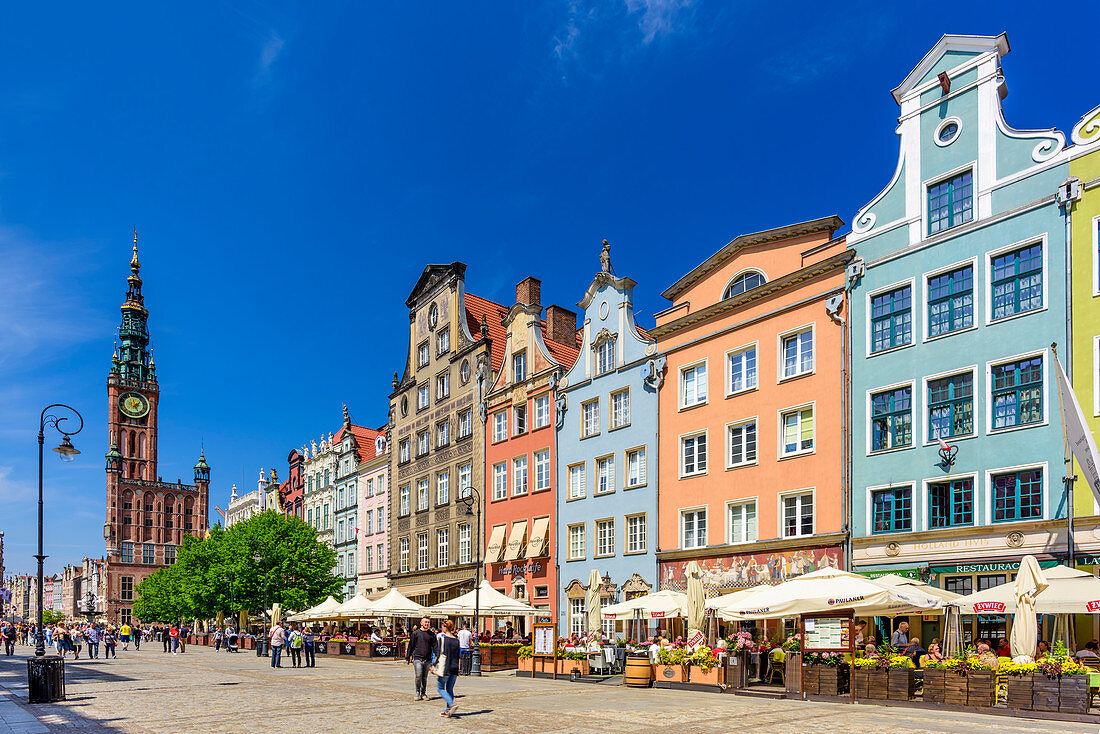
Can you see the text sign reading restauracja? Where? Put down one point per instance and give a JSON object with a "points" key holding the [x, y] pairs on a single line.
{"points": [[826, 633]]}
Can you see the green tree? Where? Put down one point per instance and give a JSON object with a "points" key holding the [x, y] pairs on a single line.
{"points": [[49, 616], [160, 597]]}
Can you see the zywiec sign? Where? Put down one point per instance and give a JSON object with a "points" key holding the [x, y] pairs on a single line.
{"points": [[1092, 606], [995, 607], [695, 639]]}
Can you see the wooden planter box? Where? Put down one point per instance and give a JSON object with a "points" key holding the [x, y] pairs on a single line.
{"points": [[954, 688], [933, 685], [1073, 694], [878, 683], [981, 688], [566, 667], [901, 684], [526, 665], [1020, 689], [500, 658], [320, 648], [672, 673], [249, 643], [362, 649], [792, 672], [1044, 693], [832, 680], [716, 676], [737, 670], [811, 679]]}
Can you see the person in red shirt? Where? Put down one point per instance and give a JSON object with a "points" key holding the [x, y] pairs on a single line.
{"points": [[174, 634], [1003, 650]]}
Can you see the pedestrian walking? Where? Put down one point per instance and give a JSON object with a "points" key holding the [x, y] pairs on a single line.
{"points": [[166, 638], [308, 647], [91, 636], [465, 652], [174, 634], [124, 636], [60, 640], [294, 642], [277, 639], [184, 632], [109, 644], [217, 640], [419, 652], [9, 640], [446, 666], [137, 637], [76, 642]]}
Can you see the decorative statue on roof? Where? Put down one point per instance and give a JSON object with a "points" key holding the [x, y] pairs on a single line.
{"points": [[347, 418], [605, 257]]}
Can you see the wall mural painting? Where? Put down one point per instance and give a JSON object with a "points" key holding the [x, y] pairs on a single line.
{"points": [[738, 572]]}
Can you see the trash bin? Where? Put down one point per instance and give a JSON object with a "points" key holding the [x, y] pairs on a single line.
{"points": [[46, 679], [261, 648]]}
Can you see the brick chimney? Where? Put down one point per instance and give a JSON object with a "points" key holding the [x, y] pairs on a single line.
{"points": [[528, 291], [561, 325]]}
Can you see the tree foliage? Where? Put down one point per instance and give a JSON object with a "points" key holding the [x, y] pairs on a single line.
{"points": [[49, 616], [219, 572]]}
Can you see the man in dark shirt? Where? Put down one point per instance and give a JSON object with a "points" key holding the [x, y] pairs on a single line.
{"points": [[419, 653]]}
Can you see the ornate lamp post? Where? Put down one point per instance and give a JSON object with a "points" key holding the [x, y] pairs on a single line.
{"points": [[258, 558], [469, 497]]}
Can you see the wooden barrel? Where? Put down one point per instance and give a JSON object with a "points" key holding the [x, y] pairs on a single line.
{"points": [[638, 673]]}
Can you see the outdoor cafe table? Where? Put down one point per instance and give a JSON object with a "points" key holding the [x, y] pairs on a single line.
{"points": [[603, 658]]}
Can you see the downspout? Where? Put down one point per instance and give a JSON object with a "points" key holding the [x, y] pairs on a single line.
{"points": [[1068, 194], [855, 269]]}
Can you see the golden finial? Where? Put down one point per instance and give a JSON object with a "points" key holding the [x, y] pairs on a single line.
{"points": [[152, 362], [135, 266], [116, 350]]}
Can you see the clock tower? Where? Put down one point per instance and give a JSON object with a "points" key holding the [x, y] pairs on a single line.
{"points": [[146, 518]]}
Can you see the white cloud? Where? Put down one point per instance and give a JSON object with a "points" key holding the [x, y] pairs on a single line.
{"points": [[271, 51], [659, 17]]}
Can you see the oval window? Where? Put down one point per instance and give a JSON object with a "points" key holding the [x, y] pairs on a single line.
{"points": [[948, 132]]}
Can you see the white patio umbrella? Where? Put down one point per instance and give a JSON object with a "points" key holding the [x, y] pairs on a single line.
{"points": [[722, 604], [357, 607], [1029, 582], [396, 604], [1068, 591], [831, 589], [592, 601], [695, 599], [315, 612], [892, 579], [662, 604], [490, 603]]}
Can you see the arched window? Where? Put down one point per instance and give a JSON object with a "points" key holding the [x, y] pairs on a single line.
{"points": [[133, 443], [141, 471], [745, 281], [141, 445]]}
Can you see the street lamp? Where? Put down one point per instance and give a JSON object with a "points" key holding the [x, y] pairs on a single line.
{"points": [[68, 452], [469, 496], [257, 558]]}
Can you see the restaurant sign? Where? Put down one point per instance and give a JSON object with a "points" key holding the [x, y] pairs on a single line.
{"points": [[912, 573], [994, 607], [1092, 606], [988, 567]]}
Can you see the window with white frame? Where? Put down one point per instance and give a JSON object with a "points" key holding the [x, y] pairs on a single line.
{"points": [[519, 367], [464, 543], [577, 616], [404, 555], [370, 486], [1017, 392], [620, 408], [422, 355], [951, 300], [742, 443], [340, 565], [542, 411], [576, 481], [442, 386], [892, 418], [465, 424], [442, 434], [605, 356], [951, 406], [693, 528], [635, 534], [542, 469], [423, 443], [741, 368], [519, 419], [382, 556], [352, 568], [340, 532], [693, 454], [693, 385], [368, 522], [380, 526], [797, 351], [742, 522], [576, 542], [605, 538], [590, 418], [422, 494], [443, 488], [519, 475], [1016, 280], [423, 396], [798, 515], [635, 467], [500, 425], [443, 547], [443, 341], [422, 552], [404, 449], [798, 431], [368, 565], [500, 481], [605, 474], [380, 488], [465, 475], [404, 500]]}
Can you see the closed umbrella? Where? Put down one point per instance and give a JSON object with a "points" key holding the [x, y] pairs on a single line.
{"points": [[1029, 583], [695, 598], [592, 601], [276, 614]]}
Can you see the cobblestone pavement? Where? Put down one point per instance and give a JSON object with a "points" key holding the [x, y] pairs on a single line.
{"points": [[203, 691]]}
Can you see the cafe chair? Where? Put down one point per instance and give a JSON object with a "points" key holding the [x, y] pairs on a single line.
{"points": [[777, 667]]}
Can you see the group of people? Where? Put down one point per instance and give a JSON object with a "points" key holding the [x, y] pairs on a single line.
{"points": [[74, 638], [296, 640], [437, 652]]}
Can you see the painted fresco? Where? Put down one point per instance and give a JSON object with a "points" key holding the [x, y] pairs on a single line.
{"points": [[741, 571]]}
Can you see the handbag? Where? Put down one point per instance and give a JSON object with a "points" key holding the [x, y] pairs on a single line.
{"points": [[440, 667]]}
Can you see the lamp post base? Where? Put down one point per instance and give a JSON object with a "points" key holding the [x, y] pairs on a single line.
{"points": [[475, 662]]}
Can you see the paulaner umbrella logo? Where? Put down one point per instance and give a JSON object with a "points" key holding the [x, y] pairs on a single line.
{"points": [[833, 602]]}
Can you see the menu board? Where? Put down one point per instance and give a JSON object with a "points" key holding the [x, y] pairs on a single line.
{"points": [[827, 633], [545, 640]]}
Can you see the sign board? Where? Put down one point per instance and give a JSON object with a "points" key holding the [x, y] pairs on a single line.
{"points": [[545, 640], [826, 634], [988, 567], [912, 572], [695, 639]]}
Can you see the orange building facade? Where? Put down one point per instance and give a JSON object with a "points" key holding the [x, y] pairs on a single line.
{"points": [[752, 447], [520, 558]]}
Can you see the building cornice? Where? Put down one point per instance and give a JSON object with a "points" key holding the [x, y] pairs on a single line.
{"points": [[762, 546]]}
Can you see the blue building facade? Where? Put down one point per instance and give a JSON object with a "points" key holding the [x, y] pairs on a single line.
{"points": [[958, 293], [607, 455]]}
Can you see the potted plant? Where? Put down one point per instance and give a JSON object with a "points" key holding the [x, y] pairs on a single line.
{"points": [[705, 669], [672, 665], [934, 675], [1060, 683], [792, 673], [570, 661], [1021, 683], [525, 654], [981, 683], [901, 678]]}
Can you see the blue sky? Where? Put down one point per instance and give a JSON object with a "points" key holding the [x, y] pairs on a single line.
{"points": [[291, 168]]}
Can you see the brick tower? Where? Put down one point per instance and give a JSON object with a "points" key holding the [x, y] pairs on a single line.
{"points": [[146, 518]]}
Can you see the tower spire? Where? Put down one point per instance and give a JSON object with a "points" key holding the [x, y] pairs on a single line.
{"points": [[133, 360]]}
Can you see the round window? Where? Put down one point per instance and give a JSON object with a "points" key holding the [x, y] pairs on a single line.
{"points": [[404, 406], [464, 371], [604, 309], [433, 316], [947, 131]]}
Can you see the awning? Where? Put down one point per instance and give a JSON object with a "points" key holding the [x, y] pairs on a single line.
{"points": [[421, 589], [515, 541], [536, 542], [496, 545]]}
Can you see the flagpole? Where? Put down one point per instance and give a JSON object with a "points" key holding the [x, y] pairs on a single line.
{"points": [[1067, 459]]}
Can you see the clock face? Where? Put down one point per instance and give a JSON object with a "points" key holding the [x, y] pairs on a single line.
{"points": [[133, 404]]}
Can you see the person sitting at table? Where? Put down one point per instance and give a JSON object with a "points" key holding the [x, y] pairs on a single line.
{"points": [[931, 656], [869, 651], [1044, 650], [915, 651], [986, 656], [1089, 651], [375, 637], [1003, 650]]}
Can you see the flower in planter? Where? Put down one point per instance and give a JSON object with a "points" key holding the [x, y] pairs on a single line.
{"points": [[704, 658], [672, 656], [525, 652], [899, 661], [865, 663], [793, 643]]}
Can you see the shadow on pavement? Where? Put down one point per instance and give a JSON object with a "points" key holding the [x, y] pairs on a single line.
{"points": [[23, 716]]}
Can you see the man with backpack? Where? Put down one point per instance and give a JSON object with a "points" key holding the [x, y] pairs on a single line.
{"points": [[295, 643]]}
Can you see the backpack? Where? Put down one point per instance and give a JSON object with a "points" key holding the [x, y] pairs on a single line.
{"points": [[295, 640]]}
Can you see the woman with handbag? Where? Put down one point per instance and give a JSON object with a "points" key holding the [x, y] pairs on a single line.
{"points": [[446, 666]]}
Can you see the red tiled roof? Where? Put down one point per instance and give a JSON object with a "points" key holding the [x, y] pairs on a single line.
{"points": [[364, 441], [565, 354], [476, 307]]}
